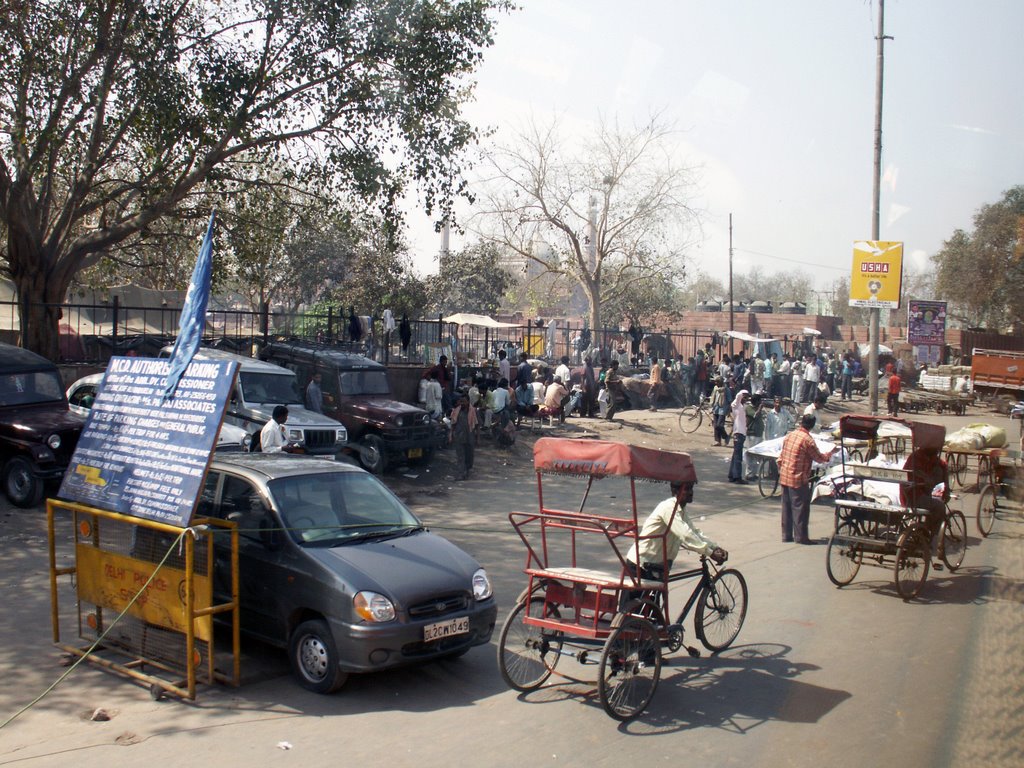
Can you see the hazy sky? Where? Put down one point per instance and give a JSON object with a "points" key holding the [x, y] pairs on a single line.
{"points": [[775, 103]]}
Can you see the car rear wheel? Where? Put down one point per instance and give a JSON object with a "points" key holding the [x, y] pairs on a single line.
{"points": [[22, 488], [314, 658]]}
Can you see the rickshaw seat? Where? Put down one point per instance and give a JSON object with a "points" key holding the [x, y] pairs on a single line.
{"points": [[603, 579]]}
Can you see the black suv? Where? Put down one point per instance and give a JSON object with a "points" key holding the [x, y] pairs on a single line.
{"points": [[38, 433], [357, 393]]}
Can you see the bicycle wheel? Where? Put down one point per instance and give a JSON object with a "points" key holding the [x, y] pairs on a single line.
{"points": [[987, 508], [954, 540], [690, 419], [912, 560], [527, 655], [721, 610], [629, 669], [957, 468], [768, 477], [843, 559]]}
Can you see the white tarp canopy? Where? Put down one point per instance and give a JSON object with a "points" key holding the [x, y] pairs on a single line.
{"points": [[865, 350], [483, 321], [747, 337], [812, 332]]}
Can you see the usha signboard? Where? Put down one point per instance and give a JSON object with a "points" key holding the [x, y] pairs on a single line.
{"points": [[877, 277], [143, 457]]}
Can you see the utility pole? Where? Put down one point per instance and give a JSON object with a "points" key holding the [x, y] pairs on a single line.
{"points": [[731, 327], [875, 203]]}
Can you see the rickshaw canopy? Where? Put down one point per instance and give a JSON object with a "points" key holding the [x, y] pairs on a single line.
{"points": [[604, 458], [923, 435]]}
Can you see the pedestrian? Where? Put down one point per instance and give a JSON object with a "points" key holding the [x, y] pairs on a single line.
{"points": [[797, 370], [461, 435], [315, 395], [771, 367], [778, 421], [785, 379], [613, 383], [756, 419], [812, 375], [655, 391], [504, 367], [739, 436], [799, 451], [589, 388], [893, 400], [846, 388], [273, 437], [719, 407], [563, 371], [524, 372]]}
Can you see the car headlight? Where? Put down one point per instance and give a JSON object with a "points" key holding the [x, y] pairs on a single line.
{"points": [[373, 607], [481, 585], [342, 436], [295, 435], [53, 441]]}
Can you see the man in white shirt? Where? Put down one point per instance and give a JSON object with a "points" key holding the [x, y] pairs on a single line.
{"points": [[562, 371], [504, 367], [663, 533], [273, 438], [812, 375]]}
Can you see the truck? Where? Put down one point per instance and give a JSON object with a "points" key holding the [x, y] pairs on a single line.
{"points": [[998, 374]]}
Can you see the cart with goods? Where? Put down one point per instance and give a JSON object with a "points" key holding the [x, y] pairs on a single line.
{"points": [[876, 523]]}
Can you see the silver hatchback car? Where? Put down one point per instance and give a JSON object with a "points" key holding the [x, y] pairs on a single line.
{"points": [[334, 567]]}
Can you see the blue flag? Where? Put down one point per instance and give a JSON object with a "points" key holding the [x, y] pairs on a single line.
{"points": [[193, 314]]}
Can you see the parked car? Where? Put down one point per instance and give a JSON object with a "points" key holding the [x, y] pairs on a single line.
{"points": [[357, 393], [336, 569], [38, 433], [259, 387], [82, 394]]}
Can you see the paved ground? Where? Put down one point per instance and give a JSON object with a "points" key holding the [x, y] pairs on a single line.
{"points": [[818, 676]]}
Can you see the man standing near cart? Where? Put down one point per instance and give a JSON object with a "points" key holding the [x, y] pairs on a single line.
{"points": [[799, 451]]}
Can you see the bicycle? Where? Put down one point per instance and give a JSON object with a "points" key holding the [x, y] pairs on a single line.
{"points": [[720, 598], [692, 416]]}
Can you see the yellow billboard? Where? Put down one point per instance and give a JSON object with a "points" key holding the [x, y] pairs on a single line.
{"points": [[877, 276]]}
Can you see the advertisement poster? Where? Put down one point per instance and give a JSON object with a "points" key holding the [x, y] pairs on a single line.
{"points": [[877, 276], [144, 458], [926, 322]]}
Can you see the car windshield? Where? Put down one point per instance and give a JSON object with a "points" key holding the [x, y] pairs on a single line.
{"points": [[30, 387], [276, 388], [328, 509], [364, 383]]}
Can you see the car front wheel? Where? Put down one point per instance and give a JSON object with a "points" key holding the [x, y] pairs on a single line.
{"points": [[371, 456], [22, 487], [314, 658]]}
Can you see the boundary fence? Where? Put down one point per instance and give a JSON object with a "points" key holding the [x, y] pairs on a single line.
{"points": [[93, 333]]}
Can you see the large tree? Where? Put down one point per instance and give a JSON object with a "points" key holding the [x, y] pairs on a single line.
{"points": [[114, 112], [471, 280], [981, 273], [607, 213]]}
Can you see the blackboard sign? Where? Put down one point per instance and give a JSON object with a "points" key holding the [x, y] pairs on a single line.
{"points": [[141, 457]]}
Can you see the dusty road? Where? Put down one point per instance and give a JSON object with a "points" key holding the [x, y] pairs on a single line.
{"points": [[818, 676]]}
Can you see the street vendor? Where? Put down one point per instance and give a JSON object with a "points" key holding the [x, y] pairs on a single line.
{"points": [[662, 534]]}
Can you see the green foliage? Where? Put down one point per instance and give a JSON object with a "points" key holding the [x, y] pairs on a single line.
{"points": [[641, 297], [116, 113], [981, 273], [472, 280]]}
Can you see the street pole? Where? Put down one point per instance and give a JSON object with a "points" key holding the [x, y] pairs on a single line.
{"points": [[731, 326], [875, 312]]}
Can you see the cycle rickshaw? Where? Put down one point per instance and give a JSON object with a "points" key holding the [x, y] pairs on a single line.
{"points": [[872, 524], [576, 606]]}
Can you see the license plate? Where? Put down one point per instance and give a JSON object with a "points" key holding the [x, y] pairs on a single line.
{"points": [[442, 629], [415, 453]]}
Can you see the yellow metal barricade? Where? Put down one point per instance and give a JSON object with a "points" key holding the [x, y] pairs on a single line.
{"points": [[144, 589]]}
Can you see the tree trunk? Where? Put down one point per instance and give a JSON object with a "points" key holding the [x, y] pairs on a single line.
{"points": [[39, 309]]}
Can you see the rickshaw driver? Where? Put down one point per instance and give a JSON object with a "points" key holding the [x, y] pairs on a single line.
{"points": [[658, 542], [927, 470]]}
